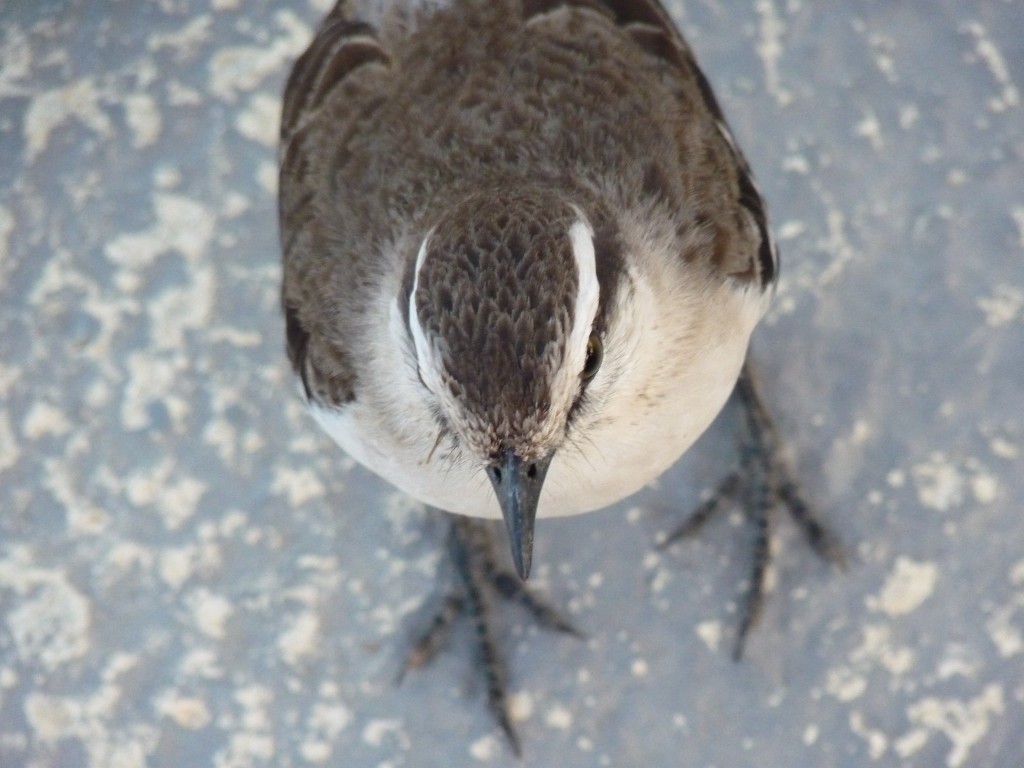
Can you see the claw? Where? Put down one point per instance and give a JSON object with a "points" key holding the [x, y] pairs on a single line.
{"points": [[762, 483], [472, 551]]}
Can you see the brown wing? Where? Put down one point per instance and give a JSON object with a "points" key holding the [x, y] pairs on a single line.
{"points": [[339, 54], [652, 29], [335, 89]]}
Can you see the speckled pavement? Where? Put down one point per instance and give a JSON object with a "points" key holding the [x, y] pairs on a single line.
{"points": [[192, 575]]}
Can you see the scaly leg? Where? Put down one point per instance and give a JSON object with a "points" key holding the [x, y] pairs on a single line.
{"points": [[472, 548], [762, 482]]}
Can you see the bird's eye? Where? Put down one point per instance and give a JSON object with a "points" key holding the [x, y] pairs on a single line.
{"points": [[595, 353]]}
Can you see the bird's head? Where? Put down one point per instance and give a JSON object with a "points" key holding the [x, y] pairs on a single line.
{"points": [[502, 301]]}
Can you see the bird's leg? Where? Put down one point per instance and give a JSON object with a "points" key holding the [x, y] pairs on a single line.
{"points": [[762, 483], [481, 579]]}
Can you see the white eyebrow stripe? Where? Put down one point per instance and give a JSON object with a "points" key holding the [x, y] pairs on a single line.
{"points": [[581, 236], [425, 361]]}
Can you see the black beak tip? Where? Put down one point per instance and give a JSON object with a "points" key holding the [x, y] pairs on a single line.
{"points": [[520, 539], [517, 485], [522, 558]]}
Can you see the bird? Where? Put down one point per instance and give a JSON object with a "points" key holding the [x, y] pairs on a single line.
{"points": [[523, 257]]}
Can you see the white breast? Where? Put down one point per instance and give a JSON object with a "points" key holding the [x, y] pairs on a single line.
{"points": [[666, 392]]}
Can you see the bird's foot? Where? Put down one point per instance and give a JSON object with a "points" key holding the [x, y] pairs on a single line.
{"points": [[481, 579], [762, 483]]}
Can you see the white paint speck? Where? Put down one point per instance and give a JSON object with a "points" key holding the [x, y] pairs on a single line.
{"points": [[300, 639], [143, 118], [127, 555], [1003, 306], [769, 49], [791, 229], [711, 633], [49, 717], [1017, 214], [520, 706], [222, 435], [210, 612], [47, 111], [1003, 448], [166, 177], [10, 449], [260, 118], [876, 740], [376, 730], [235, 204], [203, 663], [1002, 629], [177, 310], [44, 420], [297, 485], [955, 665], [50, 625], [908, 585], [239, 69], [963, 723], [82, 515], [266, 177], [877, 647], [987, 51], [845, 684], [177, 565], [485, 749], [940, 485], [315, 751], [798, 164], [330, 718], [181, 224], [256, 701], [325, 722], [836, 243], [8, 678], [908, 116], [246, 748], [86, 719], [174, 495], [1016, 574], [985, 488], [869, 128], [6, 228], [911, 742], [559, 717], [861, 432], [957, 177], [186, 41], [187, 712]]}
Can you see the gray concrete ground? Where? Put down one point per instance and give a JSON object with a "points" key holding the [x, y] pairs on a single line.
{"points": [[192, 575]]}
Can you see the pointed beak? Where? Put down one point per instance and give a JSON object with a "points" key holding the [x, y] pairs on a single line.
{"points": [[518, 484]]}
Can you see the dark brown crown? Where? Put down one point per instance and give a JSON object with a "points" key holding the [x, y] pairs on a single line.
{"points": [[496, 294]]}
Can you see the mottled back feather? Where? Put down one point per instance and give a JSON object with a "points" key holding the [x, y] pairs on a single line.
{"points": [[384, 128]]}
